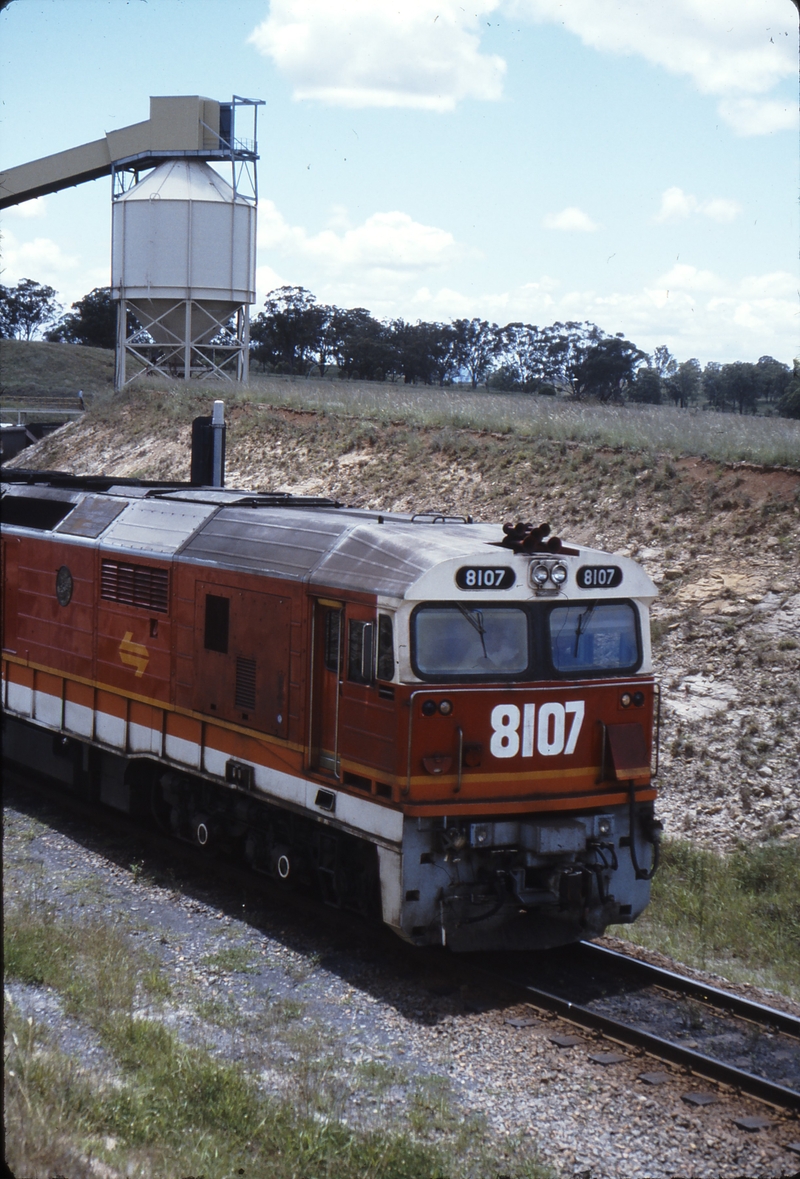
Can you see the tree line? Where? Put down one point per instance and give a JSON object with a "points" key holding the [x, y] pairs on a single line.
{"points": [[297, 335]]}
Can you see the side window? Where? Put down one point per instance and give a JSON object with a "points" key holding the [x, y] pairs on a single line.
{"points": [[333, 638], [217, 623], [361, 652], [385, 648]]}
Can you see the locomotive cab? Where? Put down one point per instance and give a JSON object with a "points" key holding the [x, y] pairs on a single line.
{"points": [[528, 795]]}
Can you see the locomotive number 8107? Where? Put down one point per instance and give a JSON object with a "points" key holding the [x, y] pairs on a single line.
{"points": [[441, 722]]}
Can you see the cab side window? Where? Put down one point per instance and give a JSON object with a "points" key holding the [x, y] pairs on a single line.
{"points": [[385, 648], [361, 652]]}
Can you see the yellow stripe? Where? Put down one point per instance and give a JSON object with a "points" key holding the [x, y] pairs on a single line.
{"points": [[523, 776], [164, 706]]}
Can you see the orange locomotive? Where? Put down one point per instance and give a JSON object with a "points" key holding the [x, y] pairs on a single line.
{"points": [[438, 720]]}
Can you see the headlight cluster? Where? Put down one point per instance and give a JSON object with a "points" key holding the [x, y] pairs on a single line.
{"points": [[431, 707], [541, 574]]}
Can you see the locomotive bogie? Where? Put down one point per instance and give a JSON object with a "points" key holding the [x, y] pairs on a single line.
{"points": [[400, 712]]}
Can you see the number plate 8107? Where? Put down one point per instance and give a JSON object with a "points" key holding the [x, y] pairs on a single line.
{"points": [[485, 577]]}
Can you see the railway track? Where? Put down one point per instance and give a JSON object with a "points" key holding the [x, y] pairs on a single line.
{"points": [[595, 966], [712, 1004]]}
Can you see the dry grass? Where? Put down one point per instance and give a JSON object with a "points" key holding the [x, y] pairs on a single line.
{"points": [[42, 368], [660, 429]]}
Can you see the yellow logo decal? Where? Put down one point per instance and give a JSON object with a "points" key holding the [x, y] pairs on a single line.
{"points": [[134, 654]]}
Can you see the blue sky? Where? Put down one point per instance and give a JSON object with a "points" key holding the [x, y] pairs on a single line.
{"points": [[631, 164]]}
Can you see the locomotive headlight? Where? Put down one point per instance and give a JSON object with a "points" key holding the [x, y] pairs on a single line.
{"points": [[445, 707], [539, 574], [558, 574]]}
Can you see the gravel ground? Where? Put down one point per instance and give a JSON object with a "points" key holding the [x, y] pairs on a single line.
{"points": [[392, 1038]]}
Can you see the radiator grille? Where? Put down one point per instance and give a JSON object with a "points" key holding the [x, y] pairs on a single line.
{"points": [[245, 683], [135, 585]]}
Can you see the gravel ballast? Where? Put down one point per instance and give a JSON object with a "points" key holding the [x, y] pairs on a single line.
{"points": [[310, 1000]]}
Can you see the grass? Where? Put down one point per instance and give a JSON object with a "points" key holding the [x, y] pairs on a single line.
{"points": [[37, 369], [737, 915], [235, 959], [166, 1107], [660, 429], [726, 437]]}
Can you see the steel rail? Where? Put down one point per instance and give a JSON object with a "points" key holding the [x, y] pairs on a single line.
{"points": [[632, 1037], [781, 1021]]}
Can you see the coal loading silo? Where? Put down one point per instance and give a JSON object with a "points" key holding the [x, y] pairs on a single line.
{"points": [[183, 266]]}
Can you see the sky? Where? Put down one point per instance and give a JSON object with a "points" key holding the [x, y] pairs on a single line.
{"points": [[630, 163]]}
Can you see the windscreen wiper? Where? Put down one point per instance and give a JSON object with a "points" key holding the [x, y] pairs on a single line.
{"points": [[475, 618], [580, 629]]}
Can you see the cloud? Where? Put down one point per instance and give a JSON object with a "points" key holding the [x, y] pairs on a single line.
{"points": [[41, 259], [35, 208], [571, 219], [735, 50], [362, 53], [695, 312], [677, 205], [390, 244]]}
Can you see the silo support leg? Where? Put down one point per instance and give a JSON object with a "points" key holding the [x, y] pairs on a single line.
{"points": [[187, 350]]}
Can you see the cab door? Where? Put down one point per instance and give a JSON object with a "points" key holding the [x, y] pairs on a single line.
{"points": [[326, 680]]}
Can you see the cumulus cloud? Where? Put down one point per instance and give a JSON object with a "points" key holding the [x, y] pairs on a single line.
{"points": [[695, 312], [386, 243], [35, 208], [359, 53], [571, 220], [735, 50], [41, 259], [677, 205]]}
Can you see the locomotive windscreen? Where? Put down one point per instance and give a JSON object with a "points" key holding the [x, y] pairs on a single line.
{"points": [[467, 640], [594, 638]]}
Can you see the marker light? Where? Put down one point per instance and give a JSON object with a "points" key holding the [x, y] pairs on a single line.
{"points": [[445, 707], [428, 708], [625, 699]]}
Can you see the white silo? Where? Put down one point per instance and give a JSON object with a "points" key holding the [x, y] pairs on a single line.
{"points": [[183, 262]]}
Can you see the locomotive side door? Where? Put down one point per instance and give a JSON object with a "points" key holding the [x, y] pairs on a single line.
{"points": [[241, 663], [326, 685]]}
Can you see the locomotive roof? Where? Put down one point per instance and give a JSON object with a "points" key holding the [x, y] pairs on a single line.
{"points": [[309, 539]]}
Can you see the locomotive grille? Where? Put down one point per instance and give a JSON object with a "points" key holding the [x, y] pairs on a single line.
{"points": [[135, 585], [245, 683]]}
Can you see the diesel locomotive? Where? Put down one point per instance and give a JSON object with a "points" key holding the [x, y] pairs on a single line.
{"points": [[444, 722]]}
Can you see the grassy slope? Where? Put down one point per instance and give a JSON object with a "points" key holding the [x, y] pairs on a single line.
{"points": [[38, 369]]}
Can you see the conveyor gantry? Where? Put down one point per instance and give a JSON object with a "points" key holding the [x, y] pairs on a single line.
{"points": [[182, 126]]}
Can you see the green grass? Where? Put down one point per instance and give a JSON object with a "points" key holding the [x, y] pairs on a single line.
{"points": [[37, 369], [235, 959], [737, 915], [172, 1108]]}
